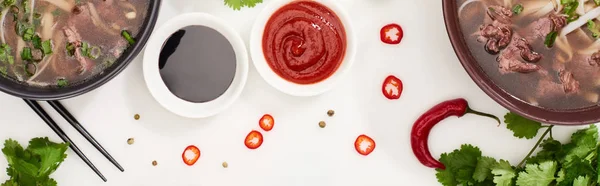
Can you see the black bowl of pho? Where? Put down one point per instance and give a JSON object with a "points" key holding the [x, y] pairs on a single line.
{"points": [[57, 49], [538, 58]]}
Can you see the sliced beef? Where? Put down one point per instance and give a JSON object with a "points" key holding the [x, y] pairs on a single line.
{"points": [[559, 21], [527, 52], [496, 36], [543, 26], [84, 63], [546, 88], [594, 60], [500, 13], [570, 85], [72, 35], [118, 48], [510, 58]]}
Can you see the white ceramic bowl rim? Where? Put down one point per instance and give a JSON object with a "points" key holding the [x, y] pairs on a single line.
{"points": [[159, 90], [288, 87]]}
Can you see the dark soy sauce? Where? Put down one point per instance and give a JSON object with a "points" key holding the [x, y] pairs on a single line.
{"points": [[197, 64]]}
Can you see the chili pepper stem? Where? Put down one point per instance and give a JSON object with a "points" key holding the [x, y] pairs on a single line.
{"points": [[548, 130], [471, 111]]}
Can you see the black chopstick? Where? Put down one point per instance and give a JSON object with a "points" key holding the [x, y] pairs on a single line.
{"points": [[65, 114], [40, 111]]}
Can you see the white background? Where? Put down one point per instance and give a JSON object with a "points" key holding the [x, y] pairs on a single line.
{"points": [[296, 151]]}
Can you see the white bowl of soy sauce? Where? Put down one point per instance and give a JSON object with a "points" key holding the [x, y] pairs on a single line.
{"points": [[195, 65]]}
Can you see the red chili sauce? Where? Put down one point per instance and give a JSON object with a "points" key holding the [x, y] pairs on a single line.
{"points": [[304, 42]]}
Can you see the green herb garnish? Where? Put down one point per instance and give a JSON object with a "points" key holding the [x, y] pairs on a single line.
{"points": [[94, 52], [62, 82], [3, 70], [128, 37], [517, 9], [85, 48], [591, 25], [556, 164], [26, 54], [36, 41], [8, 3], [47, 47], [33, 165], [569, 7], [28, 34], [70, 49], [550, 39], [5, 54], [239, 4], [26, 6], [20, 28]]}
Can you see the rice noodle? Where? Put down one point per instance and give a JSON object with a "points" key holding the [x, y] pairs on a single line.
{"points": [[20, 46], [591, 49], [44, 65], [545, 10], [581, 21], [47, 25], [558, 5], [132, 14], [62, 4], [460, 9], [32, 8], [563, 44], [581, 7], [538, 8], [581, 34], [98, 21], [4, 12], [507, 3], [589, 6], [132, 8]]}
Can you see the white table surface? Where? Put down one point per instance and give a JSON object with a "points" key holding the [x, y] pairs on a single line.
{"points": [[296, 151]]}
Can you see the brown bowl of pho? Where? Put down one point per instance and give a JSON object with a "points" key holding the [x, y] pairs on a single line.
{"points": [[57, 49], [538, 58]]}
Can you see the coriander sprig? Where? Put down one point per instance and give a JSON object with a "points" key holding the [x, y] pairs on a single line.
{"points": [[571, 164], [239, 4]]}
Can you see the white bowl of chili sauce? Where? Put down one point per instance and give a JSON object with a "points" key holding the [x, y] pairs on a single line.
{"points": [[302, 47]]}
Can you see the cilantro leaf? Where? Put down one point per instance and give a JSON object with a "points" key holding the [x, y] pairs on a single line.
{"points": [[561, 176], [483, 168], [537, 174], [575, 168], [503, 173], [551, 150], [521, 127], [581, 181], [582, 142], [32, 166], [461, 164], [12, 149], [446, 177], [51, 154], [239, 4]]}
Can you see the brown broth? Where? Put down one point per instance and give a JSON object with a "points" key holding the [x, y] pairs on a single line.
{"points": [[524, 86], [60, 65]]}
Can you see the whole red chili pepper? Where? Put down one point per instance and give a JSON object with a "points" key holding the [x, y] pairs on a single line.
{"points": [[423, 125]]}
